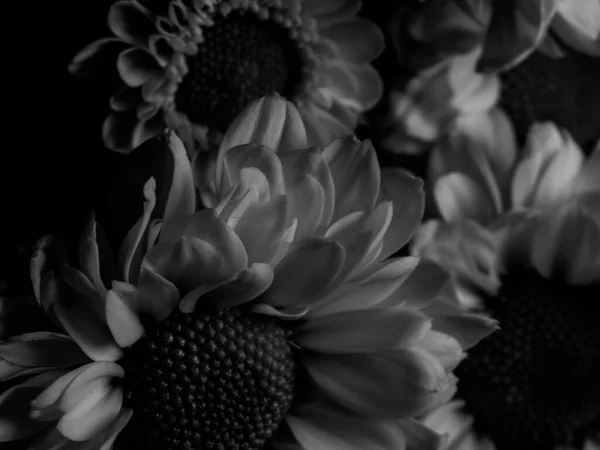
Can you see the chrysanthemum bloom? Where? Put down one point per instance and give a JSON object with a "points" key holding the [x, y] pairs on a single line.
{"points": [[435, 99], [546, 81], [533, 384], [476, 172], [194, 65], [274, 319]]}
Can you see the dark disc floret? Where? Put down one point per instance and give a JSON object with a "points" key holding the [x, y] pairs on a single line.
{"points": [[565, 91], [241, 58], [207, 381], [534, 383]]}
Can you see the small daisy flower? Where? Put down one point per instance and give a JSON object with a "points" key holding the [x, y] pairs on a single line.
{"points": [[194, 65], [273, 319], [533, 383], [476, 172]]}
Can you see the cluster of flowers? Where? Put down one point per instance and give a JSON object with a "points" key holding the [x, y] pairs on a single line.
{"points": [[259, 302]]}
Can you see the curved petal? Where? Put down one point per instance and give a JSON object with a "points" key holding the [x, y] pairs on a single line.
{"points": [[39, 349], [118, 129], [131, 23], [49, 256], [93, 60], [270, 121], [365, 331], [408, 199], [89, 330], [588, 179], [136, 66], [307, 197], [578, 25], [309, 267], [370, 291], [356, 175], [459, 197], [322, 126], [321, 427], [261, 229], [467, 329], [357, 40], [15, 420], [393, 384], [515, 31]]}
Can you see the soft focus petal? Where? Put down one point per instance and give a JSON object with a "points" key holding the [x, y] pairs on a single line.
{"points": [[467, 329], [577, 22], [588, 179], [49, 256], [459, 197]]}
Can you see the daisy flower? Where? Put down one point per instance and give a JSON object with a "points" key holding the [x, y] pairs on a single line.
{"points": [[273, 319], [533, 384], [477, 172], [194, 65]]}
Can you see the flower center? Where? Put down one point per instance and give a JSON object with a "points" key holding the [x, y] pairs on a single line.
{"points": [[242, 58], [564, 90], [207, 381], [534, 383]]}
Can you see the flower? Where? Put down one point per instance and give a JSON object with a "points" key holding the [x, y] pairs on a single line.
{"points": [[274, 317], [531, 384], [475, 172], [508, 31], [193, 66], [435, 99]]}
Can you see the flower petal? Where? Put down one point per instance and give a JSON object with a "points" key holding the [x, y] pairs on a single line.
{"points": [[94, 414], [38, 349], [323, 427], [467, 329], [459, 197], [93, 60], [408, 199], [357, 40], [261, 229], [136, 66], [124, 321], [15, 421], [444, 348], [588, 179], [393, 384], [356, 175], [270, 121], [364, 331], [49, 256], [131, 23], [87, 329], [308, 268]]}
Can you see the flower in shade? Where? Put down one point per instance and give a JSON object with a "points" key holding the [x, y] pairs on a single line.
{"points": [[533, 384], [508, 31], [194, 65], [476, 171], [275, 318], [435, 99]]}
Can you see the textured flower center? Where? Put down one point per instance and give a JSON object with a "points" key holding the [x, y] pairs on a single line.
{"points": [[202, 381], [565, 91], [242, 58], [534, 383]]}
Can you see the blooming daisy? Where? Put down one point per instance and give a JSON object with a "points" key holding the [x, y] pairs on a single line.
{"points": [[273, 319], [477, 172], [194, 65], [533, 384]]}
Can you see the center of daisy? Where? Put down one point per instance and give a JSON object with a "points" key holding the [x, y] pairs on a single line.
{"points": [[242, 58], [534, 383], [207, 381]]}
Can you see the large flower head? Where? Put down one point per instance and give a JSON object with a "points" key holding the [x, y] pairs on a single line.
{"points": [[533, 383], [194, 65], [477, 172], [275, 318]]}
